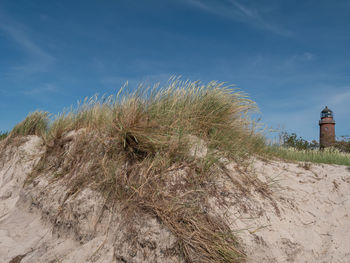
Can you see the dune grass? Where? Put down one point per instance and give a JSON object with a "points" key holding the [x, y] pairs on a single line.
{"points": [[131, 144], [150, 120], [3, 135], [326, 156], [130, 147], [35, 123]]}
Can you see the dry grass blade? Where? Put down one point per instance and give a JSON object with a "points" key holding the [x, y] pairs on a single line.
{"points": [[132, 145], [35, 123]]}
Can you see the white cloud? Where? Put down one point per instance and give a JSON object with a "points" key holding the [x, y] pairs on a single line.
{"points": [[233, 9], [199, 4], [37, 59], [247, 12]]}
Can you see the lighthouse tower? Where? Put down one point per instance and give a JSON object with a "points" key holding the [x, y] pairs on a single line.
{"points": [[327, 128]]}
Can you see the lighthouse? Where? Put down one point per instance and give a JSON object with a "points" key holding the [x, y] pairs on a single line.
{"points": [[327, 128]]}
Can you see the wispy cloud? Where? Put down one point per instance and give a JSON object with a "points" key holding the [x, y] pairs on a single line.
{"points": [[246, 11], [47, 88], [46, 93], [235, 10], [37, 59], [201, 5]]}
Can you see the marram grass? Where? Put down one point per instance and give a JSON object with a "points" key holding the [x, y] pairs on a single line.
{"points": [[153, 117], [3, 135], [145, 135], [326, 156], [35, 123]]}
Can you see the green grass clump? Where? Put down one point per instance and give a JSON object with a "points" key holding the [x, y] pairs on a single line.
{"points": [[131, 143], [327, 155], [3, 135], [153, 120], [35, 123]]}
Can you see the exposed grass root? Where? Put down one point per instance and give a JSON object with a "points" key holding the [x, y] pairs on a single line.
{"points": [[177, 194], [201, 237]]}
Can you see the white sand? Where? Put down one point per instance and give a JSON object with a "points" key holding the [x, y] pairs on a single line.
{"points": [[305, 219], [33, 229]]}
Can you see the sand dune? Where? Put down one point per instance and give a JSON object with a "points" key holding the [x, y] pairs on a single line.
{"points": [[303, 218]]}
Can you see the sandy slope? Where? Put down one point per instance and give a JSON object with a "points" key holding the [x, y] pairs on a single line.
{"points": [[304, 219], [36, 227], [307, 219]]}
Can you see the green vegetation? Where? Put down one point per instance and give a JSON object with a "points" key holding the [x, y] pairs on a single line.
{"points": [[293, 141], [152, 117], [3, 135], [129, 147], [35, 123], [297, 149], [328, 155]]}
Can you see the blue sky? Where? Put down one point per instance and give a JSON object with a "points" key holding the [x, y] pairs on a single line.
{"points": [[291, 57]]}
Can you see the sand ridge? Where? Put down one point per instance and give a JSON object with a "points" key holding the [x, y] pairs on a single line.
{"points": [[305, 217]]}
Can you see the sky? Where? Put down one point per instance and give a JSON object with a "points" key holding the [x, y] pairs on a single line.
{"points": [[291, 57]]}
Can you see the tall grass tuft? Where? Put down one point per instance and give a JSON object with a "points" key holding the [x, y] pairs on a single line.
{"points": [[131, 145], [3, 135], [35, 123], [151, 120]]}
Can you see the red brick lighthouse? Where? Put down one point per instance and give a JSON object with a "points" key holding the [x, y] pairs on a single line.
{"points": [[327, 128]]}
